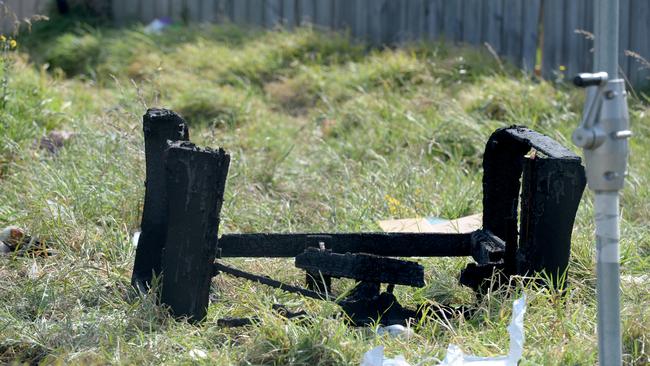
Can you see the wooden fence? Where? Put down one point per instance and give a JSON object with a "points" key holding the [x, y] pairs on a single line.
{"points": [[514, 29], [12, 11]]}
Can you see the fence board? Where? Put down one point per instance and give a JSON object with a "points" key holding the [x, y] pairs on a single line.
{"points": [[530, 34], [324, 9], [434, 18], [272, 13], [360, 26], [453, 10], [289, 13], [256, 12], [307, 10], [374, 20], [493, 24], [390, 14], [553, 34], [624, 37], [472, 22], [571, 47], [178, 11], [512, 31], [132, 10], [640, 41]]}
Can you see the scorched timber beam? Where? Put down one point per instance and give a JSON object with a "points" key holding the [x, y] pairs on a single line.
{"points": [[383, 244]]}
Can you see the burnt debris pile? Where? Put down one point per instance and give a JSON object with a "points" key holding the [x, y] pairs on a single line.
{"points": [[532, 186]]}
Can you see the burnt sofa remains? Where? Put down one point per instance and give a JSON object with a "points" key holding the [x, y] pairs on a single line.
{"points": [[532, 187]]}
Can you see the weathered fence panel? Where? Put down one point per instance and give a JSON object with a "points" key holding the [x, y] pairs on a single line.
{"points": [[510, 27], [18, 10]]}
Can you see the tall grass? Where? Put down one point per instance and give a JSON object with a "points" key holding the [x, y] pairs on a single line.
{"points": [[325, 134]]}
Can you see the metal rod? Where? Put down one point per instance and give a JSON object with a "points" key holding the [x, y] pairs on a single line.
{"points": [[269, 282], [606, 37], [608, 281], [607, 204]]}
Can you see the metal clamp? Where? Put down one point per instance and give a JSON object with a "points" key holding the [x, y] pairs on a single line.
{"points": [[604, 131]]}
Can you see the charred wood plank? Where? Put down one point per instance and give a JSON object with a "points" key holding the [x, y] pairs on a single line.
{"points": [[551, 193], [196, 181], [362, 267], [159, 125], [384, 244]]}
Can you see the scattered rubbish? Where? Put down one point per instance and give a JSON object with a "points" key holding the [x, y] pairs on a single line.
{"points": [[54, 141], [14, 240], [136, 237], [184, 194], [158, 25], [375, 357], [465, 224], [57, 211], [198, 354], [395, 330], [456, 357], [635, 280]]}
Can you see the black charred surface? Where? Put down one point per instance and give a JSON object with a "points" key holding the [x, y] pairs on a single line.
{"points": [[220, 267], [196, 181], [384, 244], [487, 248], [551, 193], [365, 306], [159, 126], [553, 182], [362, 267], [502, 169]]}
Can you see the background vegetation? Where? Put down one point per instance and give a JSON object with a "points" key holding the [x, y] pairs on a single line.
{"points": [[325, 135]]}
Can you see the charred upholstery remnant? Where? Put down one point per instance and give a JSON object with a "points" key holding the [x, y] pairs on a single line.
{"points": [[552, 183]]}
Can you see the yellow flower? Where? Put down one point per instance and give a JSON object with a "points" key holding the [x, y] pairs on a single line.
{"points": [[13, 43], [2, 38], [562, 68]]}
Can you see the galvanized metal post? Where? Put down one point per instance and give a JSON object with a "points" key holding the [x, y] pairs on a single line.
{"points": [[603, 134]]}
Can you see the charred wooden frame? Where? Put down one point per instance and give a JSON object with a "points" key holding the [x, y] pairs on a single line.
{"points": [[532, 187]]}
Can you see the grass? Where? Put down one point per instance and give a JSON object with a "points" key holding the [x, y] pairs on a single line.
{"points": [[325, 135]]}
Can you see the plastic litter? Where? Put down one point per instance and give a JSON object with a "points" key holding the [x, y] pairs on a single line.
{"points": [[375, 357], [395, 330], [158, 25], [456, 357]]}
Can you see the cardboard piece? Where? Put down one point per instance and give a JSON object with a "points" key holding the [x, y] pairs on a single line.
{"points": [[433, 225]]}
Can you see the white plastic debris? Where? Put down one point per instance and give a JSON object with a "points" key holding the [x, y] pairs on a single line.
{"points": [[456, 357], [375, 357], [157, 25], [395, 330], [136, 238], [198, 354]]}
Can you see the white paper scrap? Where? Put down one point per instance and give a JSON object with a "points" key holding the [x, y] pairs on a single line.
{"points": [[375, 357], [456, 357]]}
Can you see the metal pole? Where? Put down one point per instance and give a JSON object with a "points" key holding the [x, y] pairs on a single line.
{"points": [[603, 134], [606, 158], [606, 202]]}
